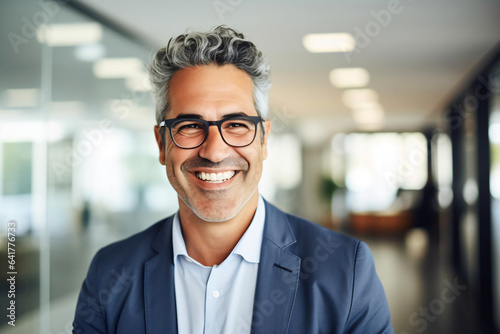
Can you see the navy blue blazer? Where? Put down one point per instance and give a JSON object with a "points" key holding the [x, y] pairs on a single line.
{"points": [[310, 280]]}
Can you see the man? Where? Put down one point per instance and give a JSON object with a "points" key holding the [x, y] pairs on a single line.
{"points": [[227, 261]]}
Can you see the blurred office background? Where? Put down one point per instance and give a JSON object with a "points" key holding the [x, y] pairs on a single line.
{"points": [[388, 130]]}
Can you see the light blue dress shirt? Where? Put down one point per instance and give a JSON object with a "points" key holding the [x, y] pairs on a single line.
{"points": [[218, 299]]}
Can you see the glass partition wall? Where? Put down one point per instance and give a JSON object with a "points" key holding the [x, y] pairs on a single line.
{"points": [[473, 121], [78, 157], [21, 153], [494, 137]]}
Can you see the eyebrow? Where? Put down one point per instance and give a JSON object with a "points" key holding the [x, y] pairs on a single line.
{"points": [[234, 114], [194, 116], [197, 116]]}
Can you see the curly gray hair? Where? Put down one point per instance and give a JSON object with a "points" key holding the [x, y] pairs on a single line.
{"points": [[221, 45]]}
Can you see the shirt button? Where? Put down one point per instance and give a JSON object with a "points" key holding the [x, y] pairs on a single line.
{"points": [[216, 294]]}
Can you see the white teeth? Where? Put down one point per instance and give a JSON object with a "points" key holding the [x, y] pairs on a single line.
{"points": [[215, 177]]}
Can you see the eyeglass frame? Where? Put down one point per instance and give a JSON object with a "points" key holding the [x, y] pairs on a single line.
{"points": [[169, 122]]}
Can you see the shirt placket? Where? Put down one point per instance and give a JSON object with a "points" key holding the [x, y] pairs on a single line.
{"points": [[212, 297]]}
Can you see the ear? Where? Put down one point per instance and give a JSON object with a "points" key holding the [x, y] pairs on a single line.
{"points": [[267, 132], [161, 146]]}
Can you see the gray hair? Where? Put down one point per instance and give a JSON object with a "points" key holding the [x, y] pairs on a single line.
{"points": [[219, 46]]}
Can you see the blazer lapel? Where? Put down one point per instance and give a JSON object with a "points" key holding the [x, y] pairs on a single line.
{"points": [[159, 290], [277, 278]]}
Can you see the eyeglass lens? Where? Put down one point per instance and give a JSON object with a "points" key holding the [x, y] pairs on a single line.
{"points": [[235, 131]]}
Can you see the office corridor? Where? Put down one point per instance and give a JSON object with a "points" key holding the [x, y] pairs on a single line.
{"points": [[385, 125]]}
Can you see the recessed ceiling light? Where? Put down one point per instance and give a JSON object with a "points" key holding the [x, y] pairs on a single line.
{"points": [[15, 98], [113, 68], [369, 106], [90, 52], [356, 98], [69, 34], [330, 42], [349, 77], [369, 118]]}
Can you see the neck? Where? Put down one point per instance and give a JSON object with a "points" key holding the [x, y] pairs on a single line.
{"points": [[210, 243]]}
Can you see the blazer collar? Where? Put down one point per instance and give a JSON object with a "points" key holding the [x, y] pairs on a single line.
{"points": [[277, 229], [159, 291], [277, 278], [162, 243]]}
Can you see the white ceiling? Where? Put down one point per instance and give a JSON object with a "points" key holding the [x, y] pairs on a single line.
{"points": [[416, 62]]}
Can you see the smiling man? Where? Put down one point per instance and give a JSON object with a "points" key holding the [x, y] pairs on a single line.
{"points": [[228, 261]]}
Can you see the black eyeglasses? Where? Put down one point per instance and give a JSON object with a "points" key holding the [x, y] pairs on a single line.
{"points": [[237, 131]]}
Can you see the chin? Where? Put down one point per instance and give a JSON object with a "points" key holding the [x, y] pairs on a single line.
{"points": [[218, 211], [213, 213], [215, 217]]}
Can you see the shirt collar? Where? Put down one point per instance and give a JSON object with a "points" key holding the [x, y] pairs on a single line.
{"points": [[178, 244], [250, 243], [248, 246]]}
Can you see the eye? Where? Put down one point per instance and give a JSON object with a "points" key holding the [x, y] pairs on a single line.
{"points": [[189, 126], [237, 125]]}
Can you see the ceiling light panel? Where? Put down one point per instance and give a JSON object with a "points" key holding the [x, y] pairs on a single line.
{"points": [[369, 118], [90, 52], [356, 98], [70, 34], [115, 68], [349, 77], [330, 42]]}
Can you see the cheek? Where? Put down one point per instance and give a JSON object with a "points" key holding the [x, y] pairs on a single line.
{"points": [[254, 157], [173, 159]]}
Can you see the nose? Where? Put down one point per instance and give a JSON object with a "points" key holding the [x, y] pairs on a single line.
{"points": [[214, 148]]}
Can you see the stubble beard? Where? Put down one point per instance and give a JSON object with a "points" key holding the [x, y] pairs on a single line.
{"points": [[216, 218], [209, 215]]}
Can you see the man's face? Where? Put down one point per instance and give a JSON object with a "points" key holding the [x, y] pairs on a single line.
{"points": [[212, 92]]}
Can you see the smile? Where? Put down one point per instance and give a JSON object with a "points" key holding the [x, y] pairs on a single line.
{"points": [[215, 177]]}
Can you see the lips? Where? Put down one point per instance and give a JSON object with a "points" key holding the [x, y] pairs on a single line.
{"points": [[215, 177]]}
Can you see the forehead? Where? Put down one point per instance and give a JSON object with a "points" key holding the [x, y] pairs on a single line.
{"points": [[210, 90]]}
